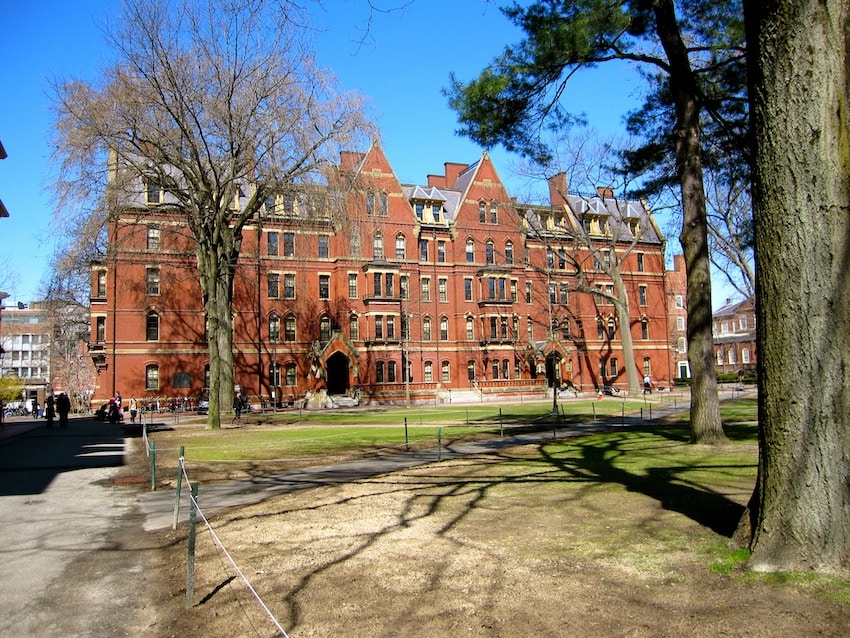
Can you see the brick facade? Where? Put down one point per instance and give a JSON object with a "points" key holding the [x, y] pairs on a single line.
{"points": [[475, 294]]}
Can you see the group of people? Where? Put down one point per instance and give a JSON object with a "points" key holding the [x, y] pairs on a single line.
{"points": [[61, 405]]}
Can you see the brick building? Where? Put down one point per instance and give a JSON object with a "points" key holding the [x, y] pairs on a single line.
{"points": [[734, 329], [441, 291]]}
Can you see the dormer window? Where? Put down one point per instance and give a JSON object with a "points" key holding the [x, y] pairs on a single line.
{"points": [[153, 191]]}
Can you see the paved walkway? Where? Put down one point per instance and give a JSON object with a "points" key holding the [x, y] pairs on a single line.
{"points": [[158, 507]]}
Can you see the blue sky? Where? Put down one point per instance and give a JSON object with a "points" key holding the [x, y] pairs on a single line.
{"points": [[402, 66]]}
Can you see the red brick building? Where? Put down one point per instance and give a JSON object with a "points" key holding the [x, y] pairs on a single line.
{"points": [[453, 281], [677, 316]]}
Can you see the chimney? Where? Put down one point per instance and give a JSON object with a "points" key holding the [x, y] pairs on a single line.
{"points": [[558, 189], [605, 192], [453, 169]]}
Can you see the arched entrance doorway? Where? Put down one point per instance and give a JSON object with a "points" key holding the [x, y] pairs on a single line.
{"points": [[337, 370], [553, 369]]}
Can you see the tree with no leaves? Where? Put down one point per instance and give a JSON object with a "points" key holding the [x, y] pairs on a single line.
{"points": [[799, 514], [203, 101]]}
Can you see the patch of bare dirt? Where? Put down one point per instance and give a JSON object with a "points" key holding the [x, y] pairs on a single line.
{"points": [[508, 546]]}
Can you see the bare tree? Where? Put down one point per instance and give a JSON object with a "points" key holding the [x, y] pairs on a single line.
{"points": [[216, 108], [730, 231]]}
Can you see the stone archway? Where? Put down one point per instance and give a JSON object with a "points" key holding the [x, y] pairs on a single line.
{"points": [[553, 369], [337, 368]]}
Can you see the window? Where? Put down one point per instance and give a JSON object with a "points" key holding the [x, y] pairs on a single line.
{"points": [[378, 246], [426, 329], [470, 370], [152, 377], [405, 327], [100, 329], [441, 252], [565, 294], [426, 289], [491, 287], [324, 329], [400, 247], [600, 329], [444, 329], [370, 203], [152, 327], [470, 251], [289, 286], [378, 282], [391, 372], [152, 281], [274, 328], [720, 357], [680, 301], [289, 329], [745, 355], [289, 371], [445, 372], [423, 250], [647, 367], [552, 294], [467, 289], [680, 323], [527, 292], [640, 265], [419, 208], [273, 244], [612, 329], [353, 328], [565, 329], [153, 191], [470, 329], [324, 286], [288, 244], [482, 212], [495, 368], [742, 323], [550, 258], [503, 327], [509, 252], [288, 205], [274, 374], [494, 214], [324, 246], [613, 366], [435, 211], [101, 284], [733, 357], [506, 369], [489, 252], [494, 328], [385, 205], [429, 372], [273, 280], [644, 329], [389, 288], [153, 238], [352, 285], [379, 372], [379, 326], [404, 286], [681, 345], [443, 289], [391, 328], [642, 295]]}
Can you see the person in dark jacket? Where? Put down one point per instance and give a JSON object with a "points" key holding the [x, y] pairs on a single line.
{"points": [[49, 410], [63, 407]]}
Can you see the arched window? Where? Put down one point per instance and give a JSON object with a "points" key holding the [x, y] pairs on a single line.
{"points": [[152, 326], [400, 247], [612, 329], [426, 329], [289, 329], [482, 212], [378, 246], [470, 329], [274, 328], [152, 377], [644, 329], [509, 252], [470, 251], [290, 374], [429, 372], [470, 370], [445, 372], [444, 329], [325, 329], [489, 252], [353, 328]]}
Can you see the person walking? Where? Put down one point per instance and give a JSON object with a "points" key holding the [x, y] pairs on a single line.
{"points": [[237, 408], [49, 410], [63, 407], [134, 408], [647, 385]]}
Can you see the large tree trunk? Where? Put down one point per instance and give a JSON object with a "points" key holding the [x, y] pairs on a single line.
{"points": [[216, 275], [801, 119], [706, 426], [633, 379]]}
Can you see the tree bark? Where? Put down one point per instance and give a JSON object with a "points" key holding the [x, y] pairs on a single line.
{"points": [[706, 426], [799, 79]]}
